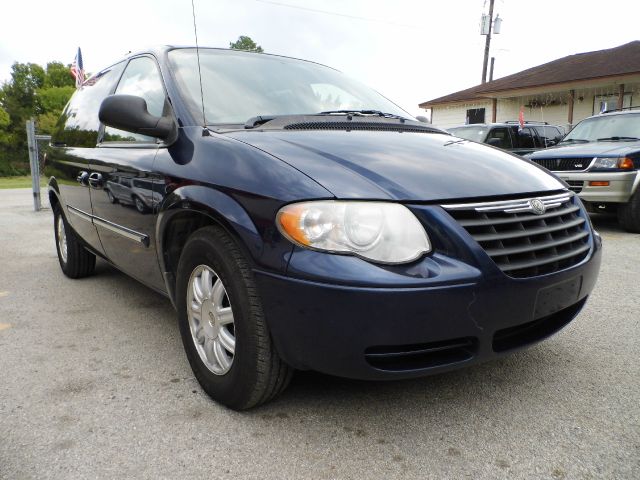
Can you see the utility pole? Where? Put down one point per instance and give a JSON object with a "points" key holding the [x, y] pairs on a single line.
{"points": [[487, 43]]}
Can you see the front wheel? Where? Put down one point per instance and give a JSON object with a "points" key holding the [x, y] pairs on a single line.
{"points": [[629, 214], [222, 324], [140, 206], [75, 260]]}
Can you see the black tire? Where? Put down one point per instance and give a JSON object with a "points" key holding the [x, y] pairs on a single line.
{"points": [[112, 199], [140, 206], [629, 214], [257, 373], [79, 261]]}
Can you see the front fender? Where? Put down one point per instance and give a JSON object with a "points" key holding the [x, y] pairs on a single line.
{"points": [[54, 189], [215, 204]]}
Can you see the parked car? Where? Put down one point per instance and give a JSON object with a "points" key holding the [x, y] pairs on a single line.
{"points": [[306, 222], [510, 136], [132, 191], [600, 161]]}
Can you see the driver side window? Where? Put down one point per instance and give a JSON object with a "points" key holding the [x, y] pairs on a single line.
{"points": [[140, 78]]}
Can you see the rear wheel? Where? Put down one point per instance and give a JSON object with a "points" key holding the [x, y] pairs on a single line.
{"points": [[222, 324], [629, 214], [75, 260]]}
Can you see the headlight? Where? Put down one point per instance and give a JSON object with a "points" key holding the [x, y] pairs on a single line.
{"points": [[604, 162], [378, 231], [613, 162]]}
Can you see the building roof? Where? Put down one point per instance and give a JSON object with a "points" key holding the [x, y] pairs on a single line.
{"points": [[622, 60]]}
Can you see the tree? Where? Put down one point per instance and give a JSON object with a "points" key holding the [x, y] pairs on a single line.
{"points": [[58, 75], [245, 43], [32, 91]]}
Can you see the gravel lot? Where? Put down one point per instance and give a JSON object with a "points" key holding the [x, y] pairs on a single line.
{"points": [[94, 384]]}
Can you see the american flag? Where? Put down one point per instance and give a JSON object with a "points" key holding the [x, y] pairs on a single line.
{"points": [[77, 69], [521, 118]]}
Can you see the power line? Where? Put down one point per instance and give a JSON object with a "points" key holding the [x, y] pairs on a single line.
{"points": [[337, 14]]}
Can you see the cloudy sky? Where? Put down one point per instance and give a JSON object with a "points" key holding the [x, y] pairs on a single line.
{"points": [[409, 50]]}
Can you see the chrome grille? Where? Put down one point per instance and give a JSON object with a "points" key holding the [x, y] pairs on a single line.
{"points": [[523, 243], [564, 164]]}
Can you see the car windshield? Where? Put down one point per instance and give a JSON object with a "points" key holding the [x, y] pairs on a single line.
{"points": [[623, 127], [475, 133], [239, 85]]}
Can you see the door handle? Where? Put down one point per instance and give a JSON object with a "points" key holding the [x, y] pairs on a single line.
{"points": [[95, 180], [83, 178]]}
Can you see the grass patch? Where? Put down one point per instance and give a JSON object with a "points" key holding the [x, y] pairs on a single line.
{"points": [[23, 181]]}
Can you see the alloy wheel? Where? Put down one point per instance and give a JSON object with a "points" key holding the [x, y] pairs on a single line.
{"points": [[62, 238], [210, 318]]}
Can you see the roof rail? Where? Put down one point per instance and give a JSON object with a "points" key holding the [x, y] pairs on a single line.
{"points": [[527, 122], [620, 109]]}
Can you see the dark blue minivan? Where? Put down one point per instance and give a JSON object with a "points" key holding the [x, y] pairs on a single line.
{"points": [[299, 220]]}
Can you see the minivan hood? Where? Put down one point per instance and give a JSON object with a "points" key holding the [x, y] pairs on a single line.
{"points": [[591, 149], [404, 166]]}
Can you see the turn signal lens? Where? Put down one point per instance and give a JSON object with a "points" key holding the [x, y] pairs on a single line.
{"points": [[378, 231], [598, 184], [625, 163], [289, 220]]}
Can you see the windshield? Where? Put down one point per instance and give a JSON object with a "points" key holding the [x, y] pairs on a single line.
{"points": [[477, 133], [606, 127], [239, 85]]}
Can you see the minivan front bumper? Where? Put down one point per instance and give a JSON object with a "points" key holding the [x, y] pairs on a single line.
{"points": [[344, 316]]}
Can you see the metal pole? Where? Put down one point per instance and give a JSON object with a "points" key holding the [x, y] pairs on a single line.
{"points": [[493, 61], [487, 43], [620, 96], [34, 164], [572, 94]]}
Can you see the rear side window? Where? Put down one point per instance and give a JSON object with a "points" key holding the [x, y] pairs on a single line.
{"points": [[78, 126]]}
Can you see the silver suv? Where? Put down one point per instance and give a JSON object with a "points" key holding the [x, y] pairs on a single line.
{"points": [[600, 160]]}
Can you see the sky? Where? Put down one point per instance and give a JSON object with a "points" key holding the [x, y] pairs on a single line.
{"points": [[408, 50]]}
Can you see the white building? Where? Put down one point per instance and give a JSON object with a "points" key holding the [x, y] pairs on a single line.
{"points": [[561, 92]]}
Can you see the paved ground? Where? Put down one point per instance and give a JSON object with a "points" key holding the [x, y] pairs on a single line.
{"points": [[94, 384]]}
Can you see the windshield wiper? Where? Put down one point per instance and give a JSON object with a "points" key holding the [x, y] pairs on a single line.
{"points": [[576, 140], [625, 139], [262, 119], [259, 120], [362, 113]]}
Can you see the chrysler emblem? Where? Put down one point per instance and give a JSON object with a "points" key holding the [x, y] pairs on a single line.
{"points": [[537, 206]]}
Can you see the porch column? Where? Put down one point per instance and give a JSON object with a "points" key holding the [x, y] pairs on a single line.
{"points": [[494, 109], [572, 94], [620, 96]]}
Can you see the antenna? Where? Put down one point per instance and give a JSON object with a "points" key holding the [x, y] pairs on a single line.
{"points": [[195, 31]]}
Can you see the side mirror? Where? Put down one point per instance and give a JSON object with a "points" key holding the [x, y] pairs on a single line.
{"points": [[495, 142], [129, 113], [422, 119]]}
